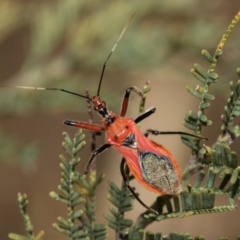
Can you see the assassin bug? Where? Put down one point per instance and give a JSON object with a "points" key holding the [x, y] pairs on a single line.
{"points": [[150, 163]]}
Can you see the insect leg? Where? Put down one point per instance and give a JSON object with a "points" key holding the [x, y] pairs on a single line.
{"points": [[95, 153], [145, 115], [126, 99], [126, 182], [88, 126], [156, 132]]}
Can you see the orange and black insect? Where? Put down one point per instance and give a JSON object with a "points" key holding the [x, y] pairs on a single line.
{"points": [[150, 163]]}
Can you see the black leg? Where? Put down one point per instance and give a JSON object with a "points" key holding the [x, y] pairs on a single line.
{"points": [[95, 153], [156, 132], [126, 99], [145, 115], [126, 182]]}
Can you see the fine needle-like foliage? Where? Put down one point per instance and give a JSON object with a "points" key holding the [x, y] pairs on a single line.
{"points": [[68, 195], [218, 160], [23, 202], [77, 191]]}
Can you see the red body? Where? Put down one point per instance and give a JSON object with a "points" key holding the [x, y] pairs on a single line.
{"points": [[157, 176], [151, 164]]}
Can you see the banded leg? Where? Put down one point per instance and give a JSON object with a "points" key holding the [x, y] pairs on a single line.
{"points": [[88, 126], [95, 153], [126, 182], [126, 99], [156, 132]]}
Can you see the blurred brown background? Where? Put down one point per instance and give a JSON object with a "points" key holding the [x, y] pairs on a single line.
{"points": [[64, 44]]}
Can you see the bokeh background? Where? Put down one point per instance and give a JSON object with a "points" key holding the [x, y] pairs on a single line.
{"points": [[64, 44]]}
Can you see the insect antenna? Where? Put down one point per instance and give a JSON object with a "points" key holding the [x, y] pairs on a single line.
{"points": [[113, 49], [50, 89], [73, 93]]}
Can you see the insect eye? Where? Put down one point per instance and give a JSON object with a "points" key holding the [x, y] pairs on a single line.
{"points": [[116, 137], [103, 103], [127, 127]]}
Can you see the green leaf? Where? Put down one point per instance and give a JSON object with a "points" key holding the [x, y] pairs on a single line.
{"points": [[15, 236]]}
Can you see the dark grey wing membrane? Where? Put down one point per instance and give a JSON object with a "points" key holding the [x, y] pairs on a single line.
{"points": [[130, 141], [158, 171]]}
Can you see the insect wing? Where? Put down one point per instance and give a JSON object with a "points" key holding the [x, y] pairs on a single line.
{"points": [[159, 168], [152, 164], [160, 171]]}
